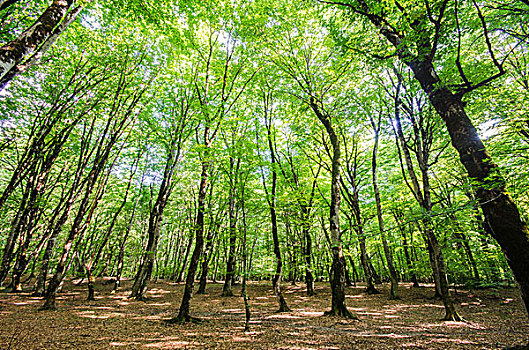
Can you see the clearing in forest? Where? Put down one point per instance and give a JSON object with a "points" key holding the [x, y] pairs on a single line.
{"points": [[494, 319]]}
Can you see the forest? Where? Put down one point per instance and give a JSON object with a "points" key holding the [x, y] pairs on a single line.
{"points": [[264, 174]]}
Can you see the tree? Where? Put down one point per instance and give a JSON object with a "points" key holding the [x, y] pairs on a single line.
{"points": [[120, 114], [387, 252], [214, 106], [35, 40], [416, 44], [178, 110], [267, 98]]}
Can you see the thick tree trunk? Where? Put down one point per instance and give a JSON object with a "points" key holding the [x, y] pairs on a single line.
{"points": [[37, 54], [499, 209], [13, 53], [143, 276]]}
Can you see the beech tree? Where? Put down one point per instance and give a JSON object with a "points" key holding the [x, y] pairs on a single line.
{"points": [[25, 50], [179, 142], [416, 39]]}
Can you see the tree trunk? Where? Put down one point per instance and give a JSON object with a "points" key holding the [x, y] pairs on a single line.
{"points": [[207, 258], [337, 278], [139, 289], [423, 198], [409, 264], [13, 53], [146, 267], [7, 256], [387, 251], [309, 278], [276, 278], [353, 267], [364, 259], [183, 314], [180, 277], [230, 265]]}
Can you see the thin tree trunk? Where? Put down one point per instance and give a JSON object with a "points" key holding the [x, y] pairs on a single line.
{"points": [[387, 251], [180, 276], [276, 278], [141, 282], [232, 212], [207, 258], [337, 278], [7, 256], [409, 264], [309, 278], [423, 198], [183, 313]]}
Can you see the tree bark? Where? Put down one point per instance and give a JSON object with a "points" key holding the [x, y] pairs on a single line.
{"points": [[141, 282], [13, 53], [423, 197], [206, 257], [183, 313], [232, 212], [276, 279], [337, 278], [409, 264], [309, 278], [387, 252]]}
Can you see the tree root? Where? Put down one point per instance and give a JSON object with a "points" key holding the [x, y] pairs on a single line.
{"points": [[372, 291], [452, 315], [342, 312], [183, 319], [46, 307]]}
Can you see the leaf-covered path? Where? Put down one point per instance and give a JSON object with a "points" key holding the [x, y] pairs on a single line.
{"points": [[495, 319]]}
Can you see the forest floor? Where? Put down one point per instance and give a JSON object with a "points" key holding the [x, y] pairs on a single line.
{"points": [[494, 318]]}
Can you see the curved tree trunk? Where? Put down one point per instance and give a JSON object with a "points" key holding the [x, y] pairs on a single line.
{"points": [[143, 276], [183, 313], [271, 197], [337, 278]]}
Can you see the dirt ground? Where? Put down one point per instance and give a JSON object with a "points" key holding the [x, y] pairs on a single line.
{"points": [[493, 319]]}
